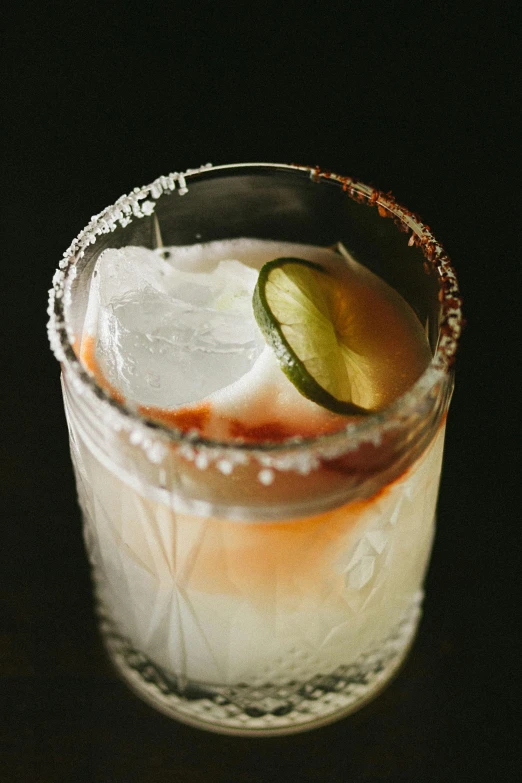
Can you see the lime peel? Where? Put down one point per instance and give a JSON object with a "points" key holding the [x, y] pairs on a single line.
{"points": [[296, 306]]}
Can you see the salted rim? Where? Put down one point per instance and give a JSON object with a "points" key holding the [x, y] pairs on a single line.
{"points": [[141, 202]]}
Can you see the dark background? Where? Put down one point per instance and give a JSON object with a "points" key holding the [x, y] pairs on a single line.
{"points": [[405, 97]]}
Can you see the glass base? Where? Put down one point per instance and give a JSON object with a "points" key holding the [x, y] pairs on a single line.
{"points": [[271, 709]]}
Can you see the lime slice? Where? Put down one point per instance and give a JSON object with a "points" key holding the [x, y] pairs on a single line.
{"points": [[301, 310]]}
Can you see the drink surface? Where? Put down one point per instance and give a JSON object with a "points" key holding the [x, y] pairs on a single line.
{"points": [[173, 331]]}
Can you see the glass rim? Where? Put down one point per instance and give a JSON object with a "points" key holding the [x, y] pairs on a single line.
{"points": [[140, 202]]}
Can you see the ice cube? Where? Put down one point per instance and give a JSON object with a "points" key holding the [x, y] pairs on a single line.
{"points": [[166, 336], [131, 269]]}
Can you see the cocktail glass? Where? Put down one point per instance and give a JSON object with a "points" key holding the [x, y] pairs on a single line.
{"points": [[259, 588]]}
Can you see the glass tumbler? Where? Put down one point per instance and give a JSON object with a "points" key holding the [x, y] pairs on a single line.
{"points": [[259, 588]]}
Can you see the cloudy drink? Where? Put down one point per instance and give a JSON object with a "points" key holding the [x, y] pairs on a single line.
{"points": [[258, 519]]}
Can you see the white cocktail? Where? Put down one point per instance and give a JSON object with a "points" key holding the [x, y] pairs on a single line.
{"points": [[258, 558]]}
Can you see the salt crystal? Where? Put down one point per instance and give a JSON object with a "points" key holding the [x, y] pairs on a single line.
{"points": [[201, 461], [225, 466], [266, 476]]}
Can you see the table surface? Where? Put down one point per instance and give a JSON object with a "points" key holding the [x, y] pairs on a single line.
{"points": [[450, 713]]}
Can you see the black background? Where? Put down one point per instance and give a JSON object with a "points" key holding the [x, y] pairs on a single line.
{"points": [[406, 97]]}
